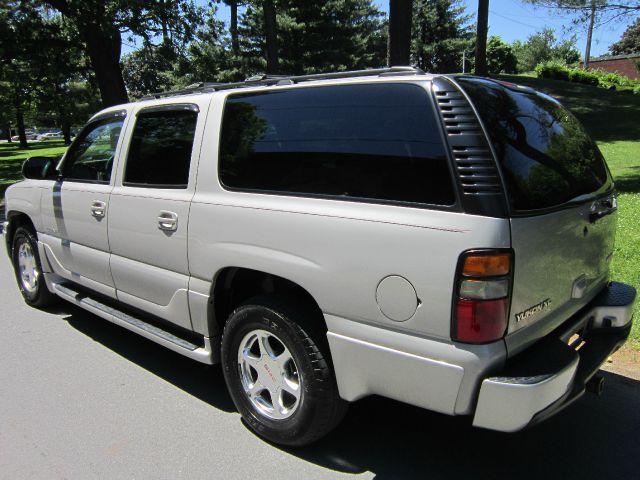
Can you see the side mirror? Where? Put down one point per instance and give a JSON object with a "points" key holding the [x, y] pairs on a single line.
{"points": [[40, 168]]}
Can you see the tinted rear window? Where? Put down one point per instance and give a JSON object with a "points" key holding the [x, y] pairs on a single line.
{"points": [[160, 151], [376, 141], [546, 155]]}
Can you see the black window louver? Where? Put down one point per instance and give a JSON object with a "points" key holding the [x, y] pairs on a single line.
{"points": [[475, 166]]}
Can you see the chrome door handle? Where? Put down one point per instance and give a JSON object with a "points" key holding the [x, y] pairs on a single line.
{"points": [[168, 221], [98, 209]]}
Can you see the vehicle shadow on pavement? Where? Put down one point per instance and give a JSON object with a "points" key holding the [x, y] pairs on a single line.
{"points": [[597, 437], [202, 381]]}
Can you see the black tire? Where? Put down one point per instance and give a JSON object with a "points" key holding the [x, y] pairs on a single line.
{"points": [[319, 408], [39, 296]]}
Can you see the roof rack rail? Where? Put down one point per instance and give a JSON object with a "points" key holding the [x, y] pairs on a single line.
{"points": [[267, 80]]}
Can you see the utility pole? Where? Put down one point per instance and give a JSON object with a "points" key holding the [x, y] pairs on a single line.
{"points": [[587, 50]]}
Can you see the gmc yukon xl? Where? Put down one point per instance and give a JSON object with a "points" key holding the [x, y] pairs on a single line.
{"points": [[443, 241]]}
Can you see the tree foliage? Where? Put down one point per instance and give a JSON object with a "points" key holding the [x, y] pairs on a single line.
{"points": [[500, 56], [101, 24], [544, 46], [441, 33], [591, 14], [315, 36], [629, 42], [43, 75]]}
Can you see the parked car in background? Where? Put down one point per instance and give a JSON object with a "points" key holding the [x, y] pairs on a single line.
{"points": [[30, 136], [49, 136]]}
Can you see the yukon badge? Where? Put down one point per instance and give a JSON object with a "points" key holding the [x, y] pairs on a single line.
{"points": [[537, 308]]}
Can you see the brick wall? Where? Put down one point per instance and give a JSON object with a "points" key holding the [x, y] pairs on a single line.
{"points": [[623, 66]]}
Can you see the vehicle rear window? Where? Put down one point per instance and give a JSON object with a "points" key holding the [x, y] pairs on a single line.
{"points": [[547, 157], [375, 141], [160, 151]]}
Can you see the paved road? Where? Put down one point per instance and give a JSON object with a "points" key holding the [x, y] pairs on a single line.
{"points": [[81, 398]]}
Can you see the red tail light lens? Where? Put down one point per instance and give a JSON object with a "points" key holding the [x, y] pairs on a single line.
{"points": [[483, 286], [481, 321]]}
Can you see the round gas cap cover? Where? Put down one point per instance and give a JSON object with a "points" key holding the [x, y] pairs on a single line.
{"points": [[397, 298]]}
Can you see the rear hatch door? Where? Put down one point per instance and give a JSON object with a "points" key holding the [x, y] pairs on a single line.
{"points": [[562, 205]]}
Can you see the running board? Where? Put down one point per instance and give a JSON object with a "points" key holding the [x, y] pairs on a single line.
{"points": [[203, 354]]}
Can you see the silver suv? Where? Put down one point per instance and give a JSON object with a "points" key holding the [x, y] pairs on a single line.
{"points": [[439, 240]]}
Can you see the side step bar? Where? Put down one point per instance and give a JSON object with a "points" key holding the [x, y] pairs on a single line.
{"points": [[203, 354]]}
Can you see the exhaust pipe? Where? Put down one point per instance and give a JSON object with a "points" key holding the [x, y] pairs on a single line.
{"points": [[595, 384]]}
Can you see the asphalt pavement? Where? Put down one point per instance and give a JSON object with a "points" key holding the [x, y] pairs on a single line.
{"points": [[81, 398]]}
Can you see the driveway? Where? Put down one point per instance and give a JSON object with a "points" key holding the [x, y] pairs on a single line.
{"points": [[81, 398]]}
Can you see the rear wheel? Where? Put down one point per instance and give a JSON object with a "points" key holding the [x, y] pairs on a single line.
{"points": [[28, 269], [277, 369]]}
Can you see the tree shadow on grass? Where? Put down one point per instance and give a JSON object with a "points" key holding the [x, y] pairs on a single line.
{"points": [[12, 149], [628, 184], [607, 115], [597, 437]]}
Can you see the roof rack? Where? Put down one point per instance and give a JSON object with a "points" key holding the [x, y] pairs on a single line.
{"points": [[267, 80]]}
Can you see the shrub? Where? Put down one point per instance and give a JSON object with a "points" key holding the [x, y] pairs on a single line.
{"points": [[609, 79], [583, 76], [559, 71], [636, 90], [551, 69]]}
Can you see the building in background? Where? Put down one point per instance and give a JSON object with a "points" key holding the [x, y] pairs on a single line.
{"points": [[627, 65]]}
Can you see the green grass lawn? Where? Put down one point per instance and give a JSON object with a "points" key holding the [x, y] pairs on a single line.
{"points": [[12, 158], [613, 120]]}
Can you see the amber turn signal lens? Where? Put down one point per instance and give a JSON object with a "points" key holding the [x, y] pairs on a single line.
{"points": [[487, 265]]}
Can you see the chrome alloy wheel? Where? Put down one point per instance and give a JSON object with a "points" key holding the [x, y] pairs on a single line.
{"points": [[27, 268], [269, 375]]}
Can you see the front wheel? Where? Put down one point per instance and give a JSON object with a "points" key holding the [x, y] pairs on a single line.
{"points": [[278, 373], [28, 269]]}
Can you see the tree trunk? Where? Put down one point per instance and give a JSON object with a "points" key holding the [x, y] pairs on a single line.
{"points": [[233, 28], [9, 133], [104, 51], [399, 42], [481, 38], [66, 131], [587, 50], [270, 36], [20, 126], [163, 22]]}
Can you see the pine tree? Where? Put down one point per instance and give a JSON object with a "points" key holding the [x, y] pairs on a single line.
{"points": [[440, 34], [316, 37]]}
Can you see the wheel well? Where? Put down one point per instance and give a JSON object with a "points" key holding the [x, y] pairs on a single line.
{"points": [[234, 285], [17, 219]]}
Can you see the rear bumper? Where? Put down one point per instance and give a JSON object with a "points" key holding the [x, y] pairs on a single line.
{"points": [[548, 376]]}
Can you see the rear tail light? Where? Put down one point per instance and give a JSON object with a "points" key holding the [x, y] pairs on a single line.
{"points": [[483, 287]]}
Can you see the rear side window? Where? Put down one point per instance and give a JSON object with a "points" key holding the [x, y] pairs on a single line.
{"points": [[547, 157], [160, 150], [376, 141]]}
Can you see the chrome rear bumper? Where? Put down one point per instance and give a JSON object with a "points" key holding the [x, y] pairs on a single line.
{"points": [[548, 376]]}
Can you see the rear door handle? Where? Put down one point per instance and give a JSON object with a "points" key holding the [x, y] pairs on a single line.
{"points": [[98, 209], [602, 208], [168, 221]]}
